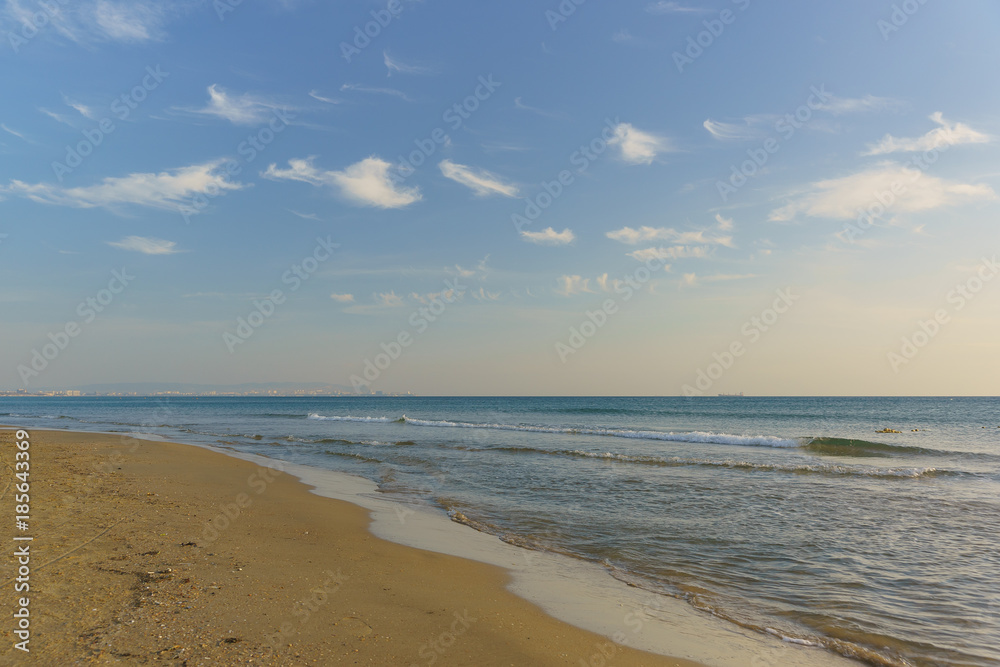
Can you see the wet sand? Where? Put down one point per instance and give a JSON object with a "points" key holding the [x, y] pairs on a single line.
{"points": [[148, 552]]}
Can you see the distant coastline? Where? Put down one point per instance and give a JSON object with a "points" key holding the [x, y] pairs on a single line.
{"points": [[73, 393], [167, 389]]}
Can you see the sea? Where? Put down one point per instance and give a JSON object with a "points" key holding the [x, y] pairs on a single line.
{"points": [[799, 518]]}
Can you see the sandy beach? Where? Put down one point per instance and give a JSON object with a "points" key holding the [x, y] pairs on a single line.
{"points": [[149, 552]]}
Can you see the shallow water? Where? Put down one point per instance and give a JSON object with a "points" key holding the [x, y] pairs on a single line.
{"points": [[788, 516]]}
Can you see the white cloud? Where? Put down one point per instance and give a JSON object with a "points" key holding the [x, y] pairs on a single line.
{"points": [[637, 147], [632, 236], [725, 224], [482, 182], [483, 295], [85, 111], [481, 270], [651, 253], [942, 137], [316, 96], [448, 296], [518, 104], [366, 183], [665, 7], [549, 236], [388, 299], [396, 65], [841, 105], [689, 279], [244, 109], [166, 189], [128, 21], [570, 285], [305, 216], [842, 198], [89, 21], [730, 131], [673, 252], [10, 131], [146, 245], [58, 117], [343, 298]]}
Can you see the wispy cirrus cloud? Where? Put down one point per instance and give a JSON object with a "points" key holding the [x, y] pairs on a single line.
{"points": [[518, 104], [321, 98], [731, 131], [665, 7], [87, 112], [947, 134], [130, 21], [396, 65], [94, 21], [549, 236], [13, 132], [58, 117], [636, 146], [343, 298], [842, 198], [366, 183], [844, 105], [480, 181], [166, 189], [633, 236], [146, 245], [305, 216], [245, 109]]}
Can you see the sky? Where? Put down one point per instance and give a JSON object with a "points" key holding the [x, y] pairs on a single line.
{"points": [[502, 198]]}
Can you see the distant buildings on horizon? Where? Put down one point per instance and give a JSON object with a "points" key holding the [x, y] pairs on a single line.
{"points": [[262, 392]]}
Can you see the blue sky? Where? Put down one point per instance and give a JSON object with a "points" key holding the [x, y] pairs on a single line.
{"points": [[226, 144]]}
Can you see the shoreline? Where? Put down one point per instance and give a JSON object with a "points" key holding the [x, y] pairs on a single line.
{"points": [[565, 597]]}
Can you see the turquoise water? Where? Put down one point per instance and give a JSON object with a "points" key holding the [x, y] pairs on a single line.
{"points": [[790, 516]]}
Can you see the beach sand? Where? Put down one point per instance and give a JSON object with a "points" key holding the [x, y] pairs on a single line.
{"points": [[132, 563]]}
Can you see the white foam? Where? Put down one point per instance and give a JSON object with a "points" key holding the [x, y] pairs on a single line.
{"points": [[575, 592], [378, 420], [693, 436]]}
